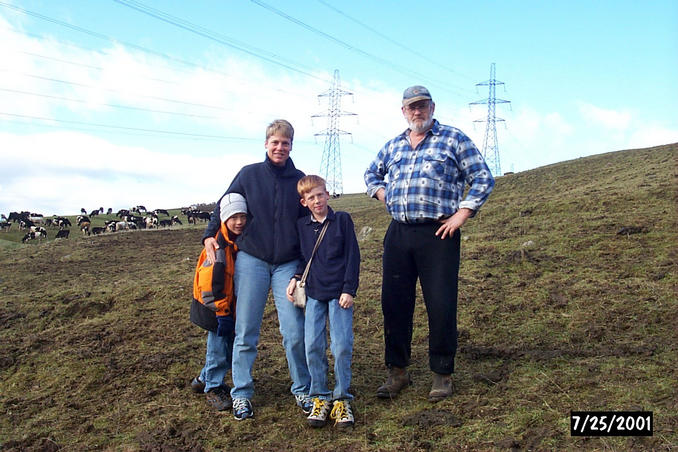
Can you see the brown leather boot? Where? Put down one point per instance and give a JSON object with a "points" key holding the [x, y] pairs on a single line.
{"points": [[441, 388], [398, 378]]}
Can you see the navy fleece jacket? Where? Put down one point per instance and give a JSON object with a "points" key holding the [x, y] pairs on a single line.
{"points": [[335, 267], [273, 209]]}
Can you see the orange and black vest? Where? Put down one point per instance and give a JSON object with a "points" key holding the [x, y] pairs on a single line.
{"points": [[213, 293]]}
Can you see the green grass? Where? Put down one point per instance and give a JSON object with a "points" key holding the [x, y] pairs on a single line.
{"points": [[97, 350]]}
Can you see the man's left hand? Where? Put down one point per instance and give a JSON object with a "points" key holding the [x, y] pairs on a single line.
{"points": [[453, 223]]}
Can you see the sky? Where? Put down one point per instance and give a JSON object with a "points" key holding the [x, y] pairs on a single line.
{"points": [[118, 103]]}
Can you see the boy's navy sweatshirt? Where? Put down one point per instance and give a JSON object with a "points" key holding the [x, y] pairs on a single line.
{"points": [[273, 209], [336, 264]]}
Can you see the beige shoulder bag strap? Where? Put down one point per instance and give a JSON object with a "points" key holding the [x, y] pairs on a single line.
{"points": [[302, 283]]}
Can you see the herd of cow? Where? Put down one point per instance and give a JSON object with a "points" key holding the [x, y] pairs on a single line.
{"points": [[135, 218]]}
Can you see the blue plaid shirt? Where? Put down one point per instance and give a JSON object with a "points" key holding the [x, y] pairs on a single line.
{"points": [[427, 183]]}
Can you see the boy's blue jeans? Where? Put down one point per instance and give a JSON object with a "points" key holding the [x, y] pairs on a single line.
{"points": [[217, 360], [253, 277], [341, 344]]}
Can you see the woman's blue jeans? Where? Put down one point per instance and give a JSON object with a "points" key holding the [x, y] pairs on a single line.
{"points": [[253, 278]]}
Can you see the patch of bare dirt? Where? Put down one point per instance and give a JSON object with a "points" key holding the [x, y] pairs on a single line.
{"points": [[175, 437], [494, 376]]}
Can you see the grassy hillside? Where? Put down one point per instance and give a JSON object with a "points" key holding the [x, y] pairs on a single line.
{"points": [[567, 302]]}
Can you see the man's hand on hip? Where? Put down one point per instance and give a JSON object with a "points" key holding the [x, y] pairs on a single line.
{"points": [[453, 223]]}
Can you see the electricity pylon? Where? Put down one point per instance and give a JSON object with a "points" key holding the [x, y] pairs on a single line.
{"points": [[490, 149], [330, 165]]}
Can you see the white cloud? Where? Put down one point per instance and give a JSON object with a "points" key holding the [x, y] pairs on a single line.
{"points": [[557, 126], [58, 173], [652, 135], [611, 119]]}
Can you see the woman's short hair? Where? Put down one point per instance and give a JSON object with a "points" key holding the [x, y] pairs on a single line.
{"points": [[280, 127]]}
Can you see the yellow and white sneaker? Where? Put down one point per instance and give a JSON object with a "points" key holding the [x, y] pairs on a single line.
{"points": [[342, 414], [319, 412]]}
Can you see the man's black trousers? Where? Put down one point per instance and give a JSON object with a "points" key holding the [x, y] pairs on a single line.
{"points": [[411, 252]]}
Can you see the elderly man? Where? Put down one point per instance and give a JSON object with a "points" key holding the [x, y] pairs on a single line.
{"points": [[427, 166]]}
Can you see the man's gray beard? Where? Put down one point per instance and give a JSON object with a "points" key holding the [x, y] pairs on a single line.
{"points": [[420, 129]]}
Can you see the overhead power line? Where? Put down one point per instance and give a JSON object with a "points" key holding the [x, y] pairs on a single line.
{"points": [[88, 66], [416, 53], [129, 107], [145, 96], [136, 129], [389, 64], [112, 40], [144, 49], [212, 35], [86, 31]]}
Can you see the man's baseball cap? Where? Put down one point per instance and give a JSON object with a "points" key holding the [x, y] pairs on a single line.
{"points": [[414, 94]]}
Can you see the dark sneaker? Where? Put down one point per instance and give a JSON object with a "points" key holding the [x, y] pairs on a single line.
{"points": [[441, 388], [242, 409], [305, 402], [319, 412], [219, 398], [197, 385], [398, 379], [342, 414]]}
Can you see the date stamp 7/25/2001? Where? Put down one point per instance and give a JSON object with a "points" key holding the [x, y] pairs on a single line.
{"points": [[611, 423]]}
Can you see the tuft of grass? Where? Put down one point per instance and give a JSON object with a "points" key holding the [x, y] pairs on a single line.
{"points": [[567, 302]]}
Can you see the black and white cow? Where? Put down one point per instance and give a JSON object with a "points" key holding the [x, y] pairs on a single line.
{"points": [[29, 236], [39, 231], [62, 222], [98, 230], [151, 222], [25, 223]]}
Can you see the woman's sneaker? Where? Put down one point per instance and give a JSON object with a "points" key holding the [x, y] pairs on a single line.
{"points": [[305, 402], [242, 409], [342, 414], [319, 412]]}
